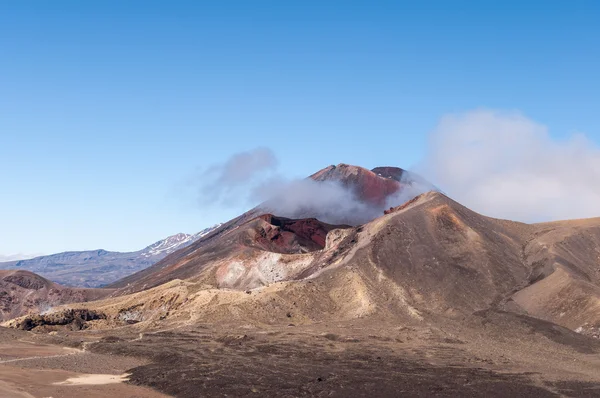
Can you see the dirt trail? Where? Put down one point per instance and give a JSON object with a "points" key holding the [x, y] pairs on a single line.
{"points": [[41, 357]]}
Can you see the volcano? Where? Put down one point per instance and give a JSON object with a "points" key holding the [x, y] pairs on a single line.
{"points": [[461, 303], [372, 189]]}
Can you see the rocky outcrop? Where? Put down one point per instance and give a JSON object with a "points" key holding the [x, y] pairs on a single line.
{"points": [[76, 319]]}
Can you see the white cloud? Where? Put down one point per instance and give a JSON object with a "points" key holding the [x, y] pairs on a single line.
{"points": [[505, 165], [243, 166]]}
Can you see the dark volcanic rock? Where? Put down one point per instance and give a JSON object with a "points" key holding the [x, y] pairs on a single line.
{"points": [[75, 318]]}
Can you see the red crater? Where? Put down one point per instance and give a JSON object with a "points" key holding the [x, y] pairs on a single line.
{"points": [[285, 235]]}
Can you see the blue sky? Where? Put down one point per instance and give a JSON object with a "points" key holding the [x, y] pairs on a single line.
{"points": [[109, 108]]}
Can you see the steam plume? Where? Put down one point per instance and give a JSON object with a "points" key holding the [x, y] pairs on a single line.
{"points": [[250, 177], [331, 201]]}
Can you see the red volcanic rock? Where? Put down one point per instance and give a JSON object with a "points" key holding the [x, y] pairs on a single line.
{"points": [[368, 185], [286, 235]]}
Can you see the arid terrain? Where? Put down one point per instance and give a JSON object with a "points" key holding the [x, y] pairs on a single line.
{"points": [[427, 299]]}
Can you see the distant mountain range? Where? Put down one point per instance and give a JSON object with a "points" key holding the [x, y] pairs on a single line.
{"points": [[96, 268]]}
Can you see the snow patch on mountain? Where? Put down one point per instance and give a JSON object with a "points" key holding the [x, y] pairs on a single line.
{"points": [[166, 246], [175, 242]]}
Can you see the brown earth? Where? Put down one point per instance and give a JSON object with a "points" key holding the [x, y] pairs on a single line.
{"points": [[489, 354]]}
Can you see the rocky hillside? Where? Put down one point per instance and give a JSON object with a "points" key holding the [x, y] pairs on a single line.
{"points": [[23, 292]]}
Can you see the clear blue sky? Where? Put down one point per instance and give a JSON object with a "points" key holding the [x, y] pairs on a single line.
{"points": [[108, 107]]}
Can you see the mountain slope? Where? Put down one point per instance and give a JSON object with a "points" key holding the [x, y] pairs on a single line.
{"points": [[565, 281], [95, 268], [264, 250]]}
